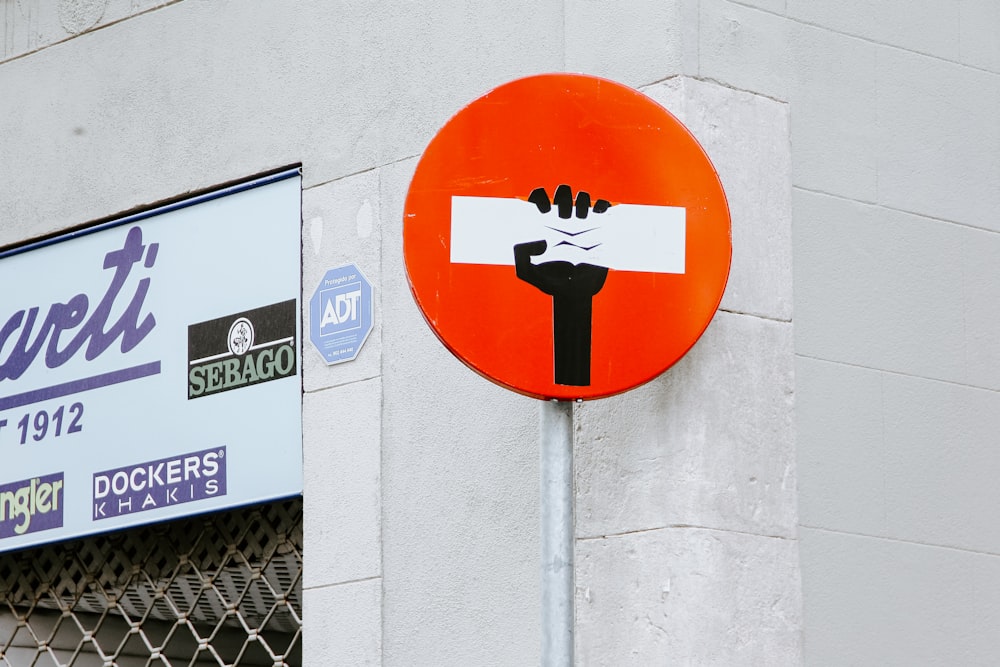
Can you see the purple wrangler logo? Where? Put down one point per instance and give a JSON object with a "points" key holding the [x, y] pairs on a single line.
{"points": [[31, 505]]}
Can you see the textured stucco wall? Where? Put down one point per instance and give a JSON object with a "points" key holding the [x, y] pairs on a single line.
{"points": [[686, 490], [422, 478]]}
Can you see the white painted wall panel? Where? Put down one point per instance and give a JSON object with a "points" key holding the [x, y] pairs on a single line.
{"points": [[841, 448], [896, 322], [941, 463], [635, 44], [342, 507], [981, 275], [880, 288], [881, 602], [979, 22], [938, 138], [834, 113], [351, 636], [745, 48], [925, 26]]}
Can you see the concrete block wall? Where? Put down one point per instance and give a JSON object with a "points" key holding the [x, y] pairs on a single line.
{"points": [[687, 486], [895, 170]]}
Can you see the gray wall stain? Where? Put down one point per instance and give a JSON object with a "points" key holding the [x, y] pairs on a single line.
{"points": [[79, 15]]}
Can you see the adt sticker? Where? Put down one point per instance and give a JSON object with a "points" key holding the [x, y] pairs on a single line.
{"points": [[340, 312]]}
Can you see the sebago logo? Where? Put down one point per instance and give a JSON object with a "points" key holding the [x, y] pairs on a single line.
{"points": [[242, 349]]}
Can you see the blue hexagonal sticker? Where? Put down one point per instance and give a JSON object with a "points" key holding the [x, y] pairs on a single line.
{"points": [[340, 314]]}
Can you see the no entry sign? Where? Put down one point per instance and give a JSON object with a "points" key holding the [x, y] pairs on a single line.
{"points": [[566, 237]]}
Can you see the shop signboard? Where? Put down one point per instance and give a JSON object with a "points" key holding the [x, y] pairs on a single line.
{"points": [[150, 366]]}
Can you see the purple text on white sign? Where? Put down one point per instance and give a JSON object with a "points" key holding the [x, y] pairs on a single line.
{"points": [[152, 485]]}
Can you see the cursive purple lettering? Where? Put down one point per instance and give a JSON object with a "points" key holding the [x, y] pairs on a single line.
{"points": [[93, 331]]}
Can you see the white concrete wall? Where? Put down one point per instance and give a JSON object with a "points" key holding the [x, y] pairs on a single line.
{"points": [[686, 487], [422, 478], [895, 124]]}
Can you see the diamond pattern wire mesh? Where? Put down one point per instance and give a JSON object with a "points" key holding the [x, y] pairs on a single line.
{"points": [[220, 590]]}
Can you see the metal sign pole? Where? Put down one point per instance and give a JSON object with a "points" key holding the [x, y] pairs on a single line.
{"points": [[557, 533]]}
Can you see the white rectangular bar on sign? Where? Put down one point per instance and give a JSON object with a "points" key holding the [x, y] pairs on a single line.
{"points": [[626, 237], [150, 368]]}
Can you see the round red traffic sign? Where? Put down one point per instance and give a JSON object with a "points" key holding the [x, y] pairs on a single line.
{"points": [[566, 237]]}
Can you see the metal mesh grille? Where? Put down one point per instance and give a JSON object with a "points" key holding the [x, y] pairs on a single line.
{"points": [[218, 590]]}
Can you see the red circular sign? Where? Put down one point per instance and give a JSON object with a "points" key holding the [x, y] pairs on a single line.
{"points": [[566, 237]]}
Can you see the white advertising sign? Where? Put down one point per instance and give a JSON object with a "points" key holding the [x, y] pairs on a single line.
{"points": [[150, 368]]}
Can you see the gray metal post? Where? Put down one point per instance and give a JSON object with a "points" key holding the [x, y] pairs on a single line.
{"points": [[557, 533]]}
